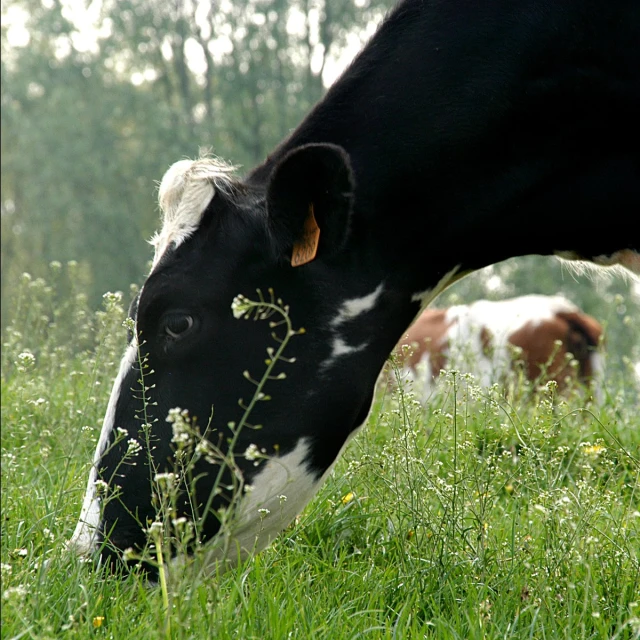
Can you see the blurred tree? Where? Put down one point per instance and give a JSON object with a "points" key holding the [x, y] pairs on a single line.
{"points": [[88, 127]]}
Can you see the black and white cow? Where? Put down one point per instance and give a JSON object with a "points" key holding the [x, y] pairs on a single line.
{"points": [[463, 134]]}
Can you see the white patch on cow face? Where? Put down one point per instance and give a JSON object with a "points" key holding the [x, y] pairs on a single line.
{"points": [[427, 296], [83, 541], [349, 310], [341, 348], [280, 491], [357, 306], [185, 192]]}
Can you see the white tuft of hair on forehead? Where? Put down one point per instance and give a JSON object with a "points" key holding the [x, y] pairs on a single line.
{"points": [[184, 194]]}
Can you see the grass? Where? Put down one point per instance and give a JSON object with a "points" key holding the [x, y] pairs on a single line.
{"points": [[477, 517]]}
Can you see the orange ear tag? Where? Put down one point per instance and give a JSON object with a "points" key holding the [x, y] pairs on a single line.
{"points": [[306, 248]]}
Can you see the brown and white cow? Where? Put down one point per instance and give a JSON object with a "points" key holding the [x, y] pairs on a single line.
{"points": [[491, 339]]}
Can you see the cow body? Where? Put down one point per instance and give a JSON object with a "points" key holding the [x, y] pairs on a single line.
{"points": [[464, 133], [491, 340]]}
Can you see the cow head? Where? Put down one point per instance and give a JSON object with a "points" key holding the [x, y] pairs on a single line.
{"points": [[271, 391]]}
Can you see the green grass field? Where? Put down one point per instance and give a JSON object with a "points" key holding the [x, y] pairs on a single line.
{"points": [[478, 517]]}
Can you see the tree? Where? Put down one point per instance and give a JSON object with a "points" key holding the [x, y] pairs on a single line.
{"points": [[88, 130]]}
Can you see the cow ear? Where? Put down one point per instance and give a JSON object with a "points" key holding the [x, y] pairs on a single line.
{"points": [[309, 202]]}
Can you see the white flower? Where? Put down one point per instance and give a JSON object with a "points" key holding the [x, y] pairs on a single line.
{"points": [[240, 305], [156, 528], [165, 479], [129, 554], [101, 488], [14, 592], [180, 425], [112, 296], [179, 522], [133, 447], [203, 448], [26, 359], [252, 452]]}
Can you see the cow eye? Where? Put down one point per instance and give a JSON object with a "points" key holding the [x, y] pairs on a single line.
{"points": [[177, 324]]}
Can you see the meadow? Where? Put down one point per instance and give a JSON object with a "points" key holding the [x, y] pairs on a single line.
{"points": [[483, 515]]}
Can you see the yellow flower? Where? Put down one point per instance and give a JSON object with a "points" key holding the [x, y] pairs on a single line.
{"points": [[97, 621], [593, 450], [346, 499]]}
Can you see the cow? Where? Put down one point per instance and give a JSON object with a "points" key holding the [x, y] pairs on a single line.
{"points": [[463, 134], [546, 337]]}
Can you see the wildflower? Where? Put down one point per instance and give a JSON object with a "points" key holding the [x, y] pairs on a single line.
{"points": [[5, 569], [97, 622], [122, 432], [282, 498], [180, 425], [263, 512], [26, 360], [239, 306], [129, 555], [346, 499], [204, 448], [112, 296], [156, 528], [180, 522], [593, 450], [101, 488], [133, 447], [251, 453], [165, 479], [18, 592]]}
